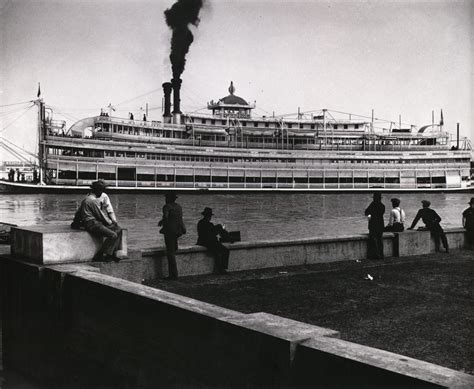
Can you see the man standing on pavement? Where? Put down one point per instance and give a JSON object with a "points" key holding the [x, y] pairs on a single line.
{"points": [[172, 228], [93, 219], [374, 213], [468, 224], [431, 220]]}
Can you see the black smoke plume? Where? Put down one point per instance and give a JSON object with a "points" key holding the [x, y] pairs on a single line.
{"points": [[178, 18]]}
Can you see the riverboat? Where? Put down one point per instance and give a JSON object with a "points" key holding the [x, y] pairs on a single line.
{"points": [[231, 150]]}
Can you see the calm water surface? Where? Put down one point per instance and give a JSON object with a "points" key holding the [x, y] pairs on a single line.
{"points": [[258, 215]]}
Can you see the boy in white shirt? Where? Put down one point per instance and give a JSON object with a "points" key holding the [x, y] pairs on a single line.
{"points": [[396, 221]]}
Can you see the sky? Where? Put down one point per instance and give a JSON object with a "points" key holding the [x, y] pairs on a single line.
{"points": [[405, 58]]}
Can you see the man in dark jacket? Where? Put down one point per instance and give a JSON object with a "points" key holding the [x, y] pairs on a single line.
{"points": [[468, 224], [375, 213], [431, 220], [207, 236], [172, 228], [90, 217]]}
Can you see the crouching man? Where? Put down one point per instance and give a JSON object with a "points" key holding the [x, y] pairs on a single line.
{"points": [[207, 236], [91, 218]]}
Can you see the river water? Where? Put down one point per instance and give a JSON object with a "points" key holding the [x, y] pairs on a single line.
{"points": [[259, 216]]}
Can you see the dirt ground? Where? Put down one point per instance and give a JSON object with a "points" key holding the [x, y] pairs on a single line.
{"points": [[421, 307]]}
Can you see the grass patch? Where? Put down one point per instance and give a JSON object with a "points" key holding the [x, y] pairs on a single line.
{"points": [[421, 307]]}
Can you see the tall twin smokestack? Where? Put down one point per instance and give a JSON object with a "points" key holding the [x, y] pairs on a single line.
{"points": [[178, 18]]}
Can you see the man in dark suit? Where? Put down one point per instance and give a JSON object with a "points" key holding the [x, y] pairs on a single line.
{"points": [[468, 224], [207, 236], [172, 228], [375, 212], [431, 220]]}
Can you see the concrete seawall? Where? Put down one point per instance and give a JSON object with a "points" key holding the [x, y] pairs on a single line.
{"points": [[195, 260]]}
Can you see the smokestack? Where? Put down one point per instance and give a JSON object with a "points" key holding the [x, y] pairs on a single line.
{"points": [[167, 109], [176, 83], [457, 137]]}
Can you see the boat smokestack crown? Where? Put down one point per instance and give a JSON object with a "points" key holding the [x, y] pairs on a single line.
{"points": [[176, 83], [167, 88]]}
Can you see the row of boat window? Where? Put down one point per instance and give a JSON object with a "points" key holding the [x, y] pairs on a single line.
{"points": [[233, 159], [131, 176], [275, 125]]}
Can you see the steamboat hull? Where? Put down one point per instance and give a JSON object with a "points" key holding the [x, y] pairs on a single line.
{"points": [[21, 188]]}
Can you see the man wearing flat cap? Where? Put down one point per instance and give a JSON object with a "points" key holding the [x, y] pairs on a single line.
{"points": [[207, 237], [172, 228], [468, 224], [98, 218], [431, 220]]}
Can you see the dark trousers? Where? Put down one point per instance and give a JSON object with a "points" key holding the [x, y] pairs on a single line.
{"points": [[375, 245], [112, 235], [470, 239], [221, 256], [438, 234], [171, 242]]}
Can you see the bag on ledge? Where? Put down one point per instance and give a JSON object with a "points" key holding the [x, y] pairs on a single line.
{"points": [[230, 236]]}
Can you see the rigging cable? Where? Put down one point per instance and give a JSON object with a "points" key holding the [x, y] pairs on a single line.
{"points": [[9, 105], [18, 147], [18, 117]]}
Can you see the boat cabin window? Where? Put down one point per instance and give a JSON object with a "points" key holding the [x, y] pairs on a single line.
{"points": [[356, 126], [213, 121], [255, 124], [267, 124], [290, 125], [346, 126], [335, 126], [244, 124], [312, 126], [301, 125], [203, 121]]}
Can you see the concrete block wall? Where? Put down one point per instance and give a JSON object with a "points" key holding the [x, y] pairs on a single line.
{"points": [[69, 326], [194, 260], [50, 244]]}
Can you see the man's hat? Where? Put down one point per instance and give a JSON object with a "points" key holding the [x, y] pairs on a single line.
{"points": [[98, 185], [377, 195], [472, 201], [426, 202], [207, 212], [170, 196]]}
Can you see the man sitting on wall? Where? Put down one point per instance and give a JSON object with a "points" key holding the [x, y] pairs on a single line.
{"points": [[93, 219], [431, 220], [207, 236]]}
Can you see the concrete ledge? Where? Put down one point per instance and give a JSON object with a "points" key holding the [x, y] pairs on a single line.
{"points": [[344, 364], [193, 260], [49, 244]]}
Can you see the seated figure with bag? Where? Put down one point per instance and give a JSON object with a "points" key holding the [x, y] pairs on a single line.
{"points": [[211, 236]]}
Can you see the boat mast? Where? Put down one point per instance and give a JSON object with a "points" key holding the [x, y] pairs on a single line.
{"points": [[41, 137]]}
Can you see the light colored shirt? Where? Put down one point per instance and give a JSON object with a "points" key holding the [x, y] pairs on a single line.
{"points": [[106, 207], [397, 215]]}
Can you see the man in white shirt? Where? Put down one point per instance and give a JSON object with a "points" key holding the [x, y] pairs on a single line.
{"points": [[396, 221]]}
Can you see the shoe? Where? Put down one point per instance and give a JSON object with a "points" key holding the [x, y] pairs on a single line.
{"points": [[171, 278], [99, 257]]}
